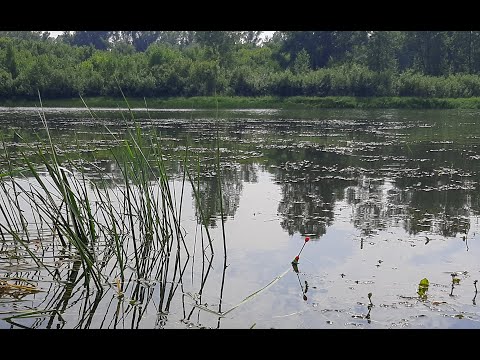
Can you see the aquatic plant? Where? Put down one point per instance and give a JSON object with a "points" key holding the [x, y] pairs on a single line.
{"points": [[423, 288], [124, 239]]}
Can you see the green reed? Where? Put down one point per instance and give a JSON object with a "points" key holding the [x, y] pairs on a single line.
{"points": [[117, 238]]}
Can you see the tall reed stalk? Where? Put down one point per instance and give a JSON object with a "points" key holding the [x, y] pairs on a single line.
{"points": [[118, 238]]}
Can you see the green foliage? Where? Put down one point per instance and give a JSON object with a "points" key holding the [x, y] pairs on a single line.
{"points": [[285, 84], [89, 81], [317, 83], [382, 50], [256, 58], [203, 76], [393, 64], [246, 81], [159, 54], [301, 63], [6, 83], [25, 35], [97, 39], [140, 40], [10, 62], [123, 48]]}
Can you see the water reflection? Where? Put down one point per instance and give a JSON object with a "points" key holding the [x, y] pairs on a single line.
{"points": [[387, 175]]}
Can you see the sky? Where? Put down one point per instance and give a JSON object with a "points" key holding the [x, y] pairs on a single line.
{"points": [[55, 33], [265, 34]]}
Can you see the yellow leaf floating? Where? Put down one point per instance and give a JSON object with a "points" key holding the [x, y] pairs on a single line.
{"points": [[423, 288], [16, 290]]}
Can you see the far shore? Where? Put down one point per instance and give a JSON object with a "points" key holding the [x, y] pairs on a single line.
{"points": [[266, 102]]}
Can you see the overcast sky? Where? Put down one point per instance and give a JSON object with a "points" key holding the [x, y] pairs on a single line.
{"points": [[265, 34], [55, 33]]}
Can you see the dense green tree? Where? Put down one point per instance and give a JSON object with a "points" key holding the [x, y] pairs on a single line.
{"points": [[324, 47], [317, 44], [196, 63], [219, 44], [10, 61], [426, 49], [251, 37], [175, 38], [301, 63], [382, 50], [348, 46], [98, 39], [26, 35], [123, 48], [141, 40], [462, 51], [5, 84]]}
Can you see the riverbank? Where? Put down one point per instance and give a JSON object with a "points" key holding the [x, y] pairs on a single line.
{"points": [[267, 102]]}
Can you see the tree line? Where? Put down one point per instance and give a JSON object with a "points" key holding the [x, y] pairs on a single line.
{"points": [[239, 63]]}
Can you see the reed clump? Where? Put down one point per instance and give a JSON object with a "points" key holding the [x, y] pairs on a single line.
{"points": [[124, 238]]}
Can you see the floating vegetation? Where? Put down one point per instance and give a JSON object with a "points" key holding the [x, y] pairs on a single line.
{"points": [[17, 288], [423, 288]]}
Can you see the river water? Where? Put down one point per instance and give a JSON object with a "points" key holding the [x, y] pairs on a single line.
{"points": [[387, 198]]}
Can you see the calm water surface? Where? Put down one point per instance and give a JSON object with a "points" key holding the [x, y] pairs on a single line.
{"points": [[387, 197]]}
